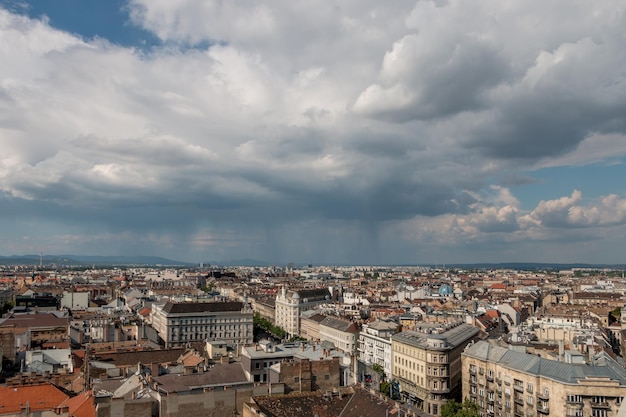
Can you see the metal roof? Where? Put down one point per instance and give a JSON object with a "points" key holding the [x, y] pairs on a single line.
{"points": [[567, 373]]}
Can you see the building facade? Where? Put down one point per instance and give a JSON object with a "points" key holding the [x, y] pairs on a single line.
{"points": [[427, 364], [375, 344], [289, 305], [182, 323], [505, 382], [342, 333]]}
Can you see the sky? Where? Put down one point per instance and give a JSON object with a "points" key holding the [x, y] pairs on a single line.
{"points": [[335, 132]]}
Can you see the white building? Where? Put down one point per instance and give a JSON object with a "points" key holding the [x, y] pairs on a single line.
{"points": [[375, 344], [289, 305], [181, 323]]}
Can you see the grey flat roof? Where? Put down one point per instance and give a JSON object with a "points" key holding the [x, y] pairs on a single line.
{"points": [[567, 373], [451, 338], [296, 351]]}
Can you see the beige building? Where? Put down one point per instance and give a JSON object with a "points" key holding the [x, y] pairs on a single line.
{"points": [[427, 363], [310, 325], [342, 333], [507, 383], [182, 323]]}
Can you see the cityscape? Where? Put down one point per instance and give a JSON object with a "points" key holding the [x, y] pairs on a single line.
{"points": [[311, 340], [344, 208]]}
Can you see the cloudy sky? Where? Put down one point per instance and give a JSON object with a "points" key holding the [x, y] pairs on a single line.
{"points": [[353, 131]]}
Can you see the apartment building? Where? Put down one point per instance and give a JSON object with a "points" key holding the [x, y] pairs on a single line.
{"points": [[342, 333], [427, 363], [182, 323], [289, 305], [508, 383], [375, 344]]}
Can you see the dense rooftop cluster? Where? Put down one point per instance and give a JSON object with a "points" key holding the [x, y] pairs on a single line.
{"points": [[146, 339]]}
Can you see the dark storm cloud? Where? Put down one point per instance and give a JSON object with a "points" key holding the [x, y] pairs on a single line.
{"points": [[374, 130]]}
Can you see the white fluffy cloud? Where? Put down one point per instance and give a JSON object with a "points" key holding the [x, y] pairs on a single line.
{"points": [[353, 116]]}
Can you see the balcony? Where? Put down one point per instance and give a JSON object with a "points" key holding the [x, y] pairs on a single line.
{"points": [[519, 413], [543, 409], [600, 404], [440, 390], [489, 378], [519, 400], [543, 395], [472, 371], [518, 388], [498, 381]]}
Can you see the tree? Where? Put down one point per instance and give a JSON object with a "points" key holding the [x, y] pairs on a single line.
{"points": [[379, 370], [454, 409], [8, 305]]}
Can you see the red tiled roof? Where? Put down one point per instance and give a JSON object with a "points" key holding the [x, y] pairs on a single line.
{"points": [[81, 406], [498, 287], [492, 314], [36, 320], [145, 311], [36, 397]]}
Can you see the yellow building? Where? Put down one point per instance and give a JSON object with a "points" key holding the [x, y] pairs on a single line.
{"points": [[427, 363], [507, 383]]}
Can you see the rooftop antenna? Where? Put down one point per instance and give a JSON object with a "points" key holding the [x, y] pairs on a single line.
{"points": [[40, 259]]}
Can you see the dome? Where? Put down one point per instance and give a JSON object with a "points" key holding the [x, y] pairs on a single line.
{"points": [[445, 290]]}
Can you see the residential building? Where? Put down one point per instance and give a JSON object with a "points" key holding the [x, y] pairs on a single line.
{"points": [[427, 364], [45, 330], [506, 382], [182, 323], [305, 375], [310, 325], [347, 402], [341, 333], [43, 400], [257, 360], [289, 305], [375, 344], [219, 392]]}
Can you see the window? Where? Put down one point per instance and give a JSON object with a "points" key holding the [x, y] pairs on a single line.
{"points": [[529, 387], [529, 399], [296, 379], [599, 412]]}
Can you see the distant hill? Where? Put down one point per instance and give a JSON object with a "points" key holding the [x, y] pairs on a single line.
{"points": [[76, 260], [531, 266]]}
